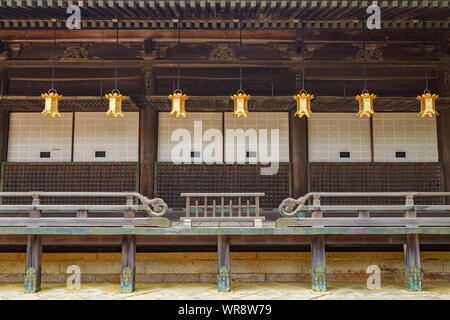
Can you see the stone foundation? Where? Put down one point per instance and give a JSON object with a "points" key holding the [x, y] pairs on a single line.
{"points": [[245, 266]]}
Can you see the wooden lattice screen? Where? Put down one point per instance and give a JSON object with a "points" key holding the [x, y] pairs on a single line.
{"points": [[78, 176], [172, 180], [375, 177]]}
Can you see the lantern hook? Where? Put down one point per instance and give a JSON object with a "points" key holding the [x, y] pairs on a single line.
{"points": [[115, 91]]}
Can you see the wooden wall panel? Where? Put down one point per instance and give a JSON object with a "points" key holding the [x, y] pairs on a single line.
{"points": [[60, 177], [375, 177], [175, 179]]}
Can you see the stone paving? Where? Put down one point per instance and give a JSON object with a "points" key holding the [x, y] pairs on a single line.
{"points": [[208, 291]]}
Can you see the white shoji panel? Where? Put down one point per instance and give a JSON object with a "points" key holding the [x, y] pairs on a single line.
{"points": [[167, 124], [30, 134], [257, 121], [118, 137], [329, 134], [404, 132]]}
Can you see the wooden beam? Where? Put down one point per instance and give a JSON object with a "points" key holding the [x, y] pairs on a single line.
{"points": [[223, 265], [298, 128], [32, 279], [128, 271]]}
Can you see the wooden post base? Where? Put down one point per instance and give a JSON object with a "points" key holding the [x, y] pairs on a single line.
{"points": [[318, 269], [128, 272], [223, 280], [413, 273], [32, 279], [127, 280], [223, 267]]}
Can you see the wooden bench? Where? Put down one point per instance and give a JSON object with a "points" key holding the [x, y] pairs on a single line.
{"points": [[224, 210]]}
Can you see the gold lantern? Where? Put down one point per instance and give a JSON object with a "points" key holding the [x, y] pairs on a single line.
{"points": [[428, 104], [178, 103], [240, 104], [115, 103], [365, 100], [303, 104], [51, 103]]}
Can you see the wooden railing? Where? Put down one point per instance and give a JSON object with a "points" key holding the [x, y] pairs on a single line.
{"points": [[134, 202], [297, 208], [295, 211], [223, 210]]}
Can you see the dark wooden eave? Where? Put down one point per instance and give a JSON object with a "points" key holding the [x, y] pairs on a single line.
{"points": [[217, 104], [67, 104], [215, 13], [287, 103]]}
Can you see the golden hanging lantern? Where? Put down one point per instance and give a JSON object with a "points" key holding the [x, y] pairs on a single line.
{"points": [[51, 103], [115, 103], [428, 104], [240, 104], [303, 104], [178, 103], [365, 100]]}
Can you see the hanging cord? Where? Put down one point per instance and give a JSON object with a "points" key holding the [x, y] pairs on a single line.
{"points": [[364, 54], [179, 52], [303, 56], [425, 53], [240, 54], [53, 54], [117, 53]]}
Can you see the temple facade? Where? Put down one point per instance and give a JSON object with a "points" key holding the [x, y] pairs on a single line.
{"points": [[228, 198]]}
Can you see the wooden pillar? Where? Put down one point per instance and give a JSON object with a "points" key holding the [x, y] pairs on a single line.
{"points": [[32, 280], [318, 267], [4, 115], [223, 265], [148, 147], [4, 132], [128, 272], [444, 144], [298, 140], [413, 272], [318, 270], [149, 79]]}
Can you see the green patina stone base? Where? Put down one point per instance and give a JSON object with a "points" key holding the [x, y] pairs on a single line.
{"points": [[127, 280], [413, 279], [159, 222], [32, 281], [319, 279], [223, 280]]}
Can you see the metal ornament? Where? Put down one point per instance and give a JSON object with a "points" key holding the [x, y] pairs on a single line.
{"points": [[303, 104], [240, 104], [115, 103], [365, 100], [51, 103], [178, 103], [428, 104]]}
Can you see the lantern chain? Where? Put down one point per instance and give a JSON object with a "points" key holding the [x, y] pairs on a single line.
{"points": [[364, 54], [303, 56], [240, 54], [179, 52], [425, 53], [117, 53], [53, 53]]}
